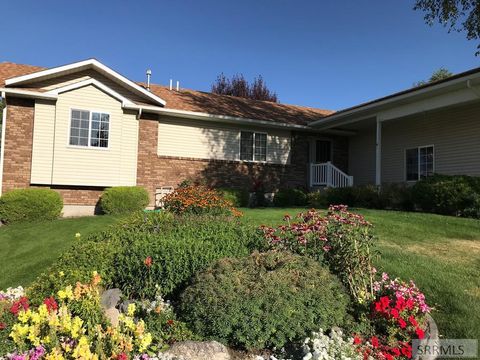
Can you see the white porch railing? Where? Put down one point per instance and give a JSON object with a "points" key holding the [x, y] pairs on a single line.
{"points": [[327, 174]]}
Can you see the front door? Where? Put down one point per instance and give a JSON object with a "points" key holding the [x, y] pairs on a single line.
{"points": [[323, 151]]}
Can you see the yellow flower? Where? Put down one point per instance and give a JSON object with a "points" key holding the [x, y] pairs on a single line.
{"points": [[42, 311], [82, 350], [76, 327], [33, 333], [66, 294], [55, 354], [131, 309], [61, 273], [78, 235], [145, 342], [19, 332], [23, 316]]}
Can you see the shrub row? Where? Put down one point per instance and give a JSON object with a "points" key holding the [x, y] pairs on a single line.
{"points": [[33, 204], [441, 194]]}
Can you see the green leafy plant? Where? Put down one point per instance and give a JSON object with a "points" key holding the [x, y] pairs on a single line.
{"points": [[448, 195], [30, 204], [342, 240], [238, 197], [174, 256], [290, 197], [121, 200], [264, 300]]}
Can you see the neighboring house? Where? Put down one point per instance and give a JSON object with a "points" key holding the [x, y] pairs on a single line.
{"points": [[81, 127]]}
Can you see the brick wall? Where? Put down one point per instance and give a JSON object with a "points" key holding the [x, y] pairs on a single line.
{"points": [[154, 171], [18, 156], [18, 144]]}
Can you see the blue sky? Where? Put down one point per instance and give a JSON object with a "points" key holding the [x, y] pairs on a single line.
{"points": [[327, 54]]}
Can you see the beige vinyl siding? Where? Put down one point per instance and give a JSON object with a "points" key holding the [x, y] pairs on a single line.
{"points": [[83, 166], [202, 140], [43, 138], [455, 134], [73, 78], [361, 156]]}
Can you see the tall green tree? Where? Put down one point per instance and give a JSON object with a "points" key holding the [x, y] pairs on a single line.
{"points": [[437, 75], [457, 15]]}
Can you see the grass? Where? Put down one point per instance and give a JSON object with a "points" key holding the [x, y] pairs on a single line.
{"points": [[28, 249], [441, 254]]}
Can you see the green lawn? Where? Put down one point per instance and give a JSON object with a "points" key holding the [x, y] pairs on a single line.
{"points": [[28, 249], [441, 254]]}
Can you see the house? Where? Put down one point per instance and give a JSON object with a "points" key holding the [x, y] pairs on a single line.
{"points": [[82, 127]]}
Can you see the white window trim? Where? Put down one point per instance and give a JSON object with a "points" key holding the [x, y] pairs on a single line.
{"points": [[240, 147], [418, 160], [89, 147]]}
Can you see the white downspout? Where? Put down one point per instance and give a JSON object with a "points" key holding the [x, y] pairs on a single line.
{"points": [[2, 152], [378, 153]]}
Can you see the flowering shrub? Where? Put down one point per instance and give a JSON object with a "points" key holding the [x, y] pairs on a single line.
{"points": [[53, 330], [161, 321], [341, 239], [198, 199], [11, 301], [330, 347], [398, 314]]}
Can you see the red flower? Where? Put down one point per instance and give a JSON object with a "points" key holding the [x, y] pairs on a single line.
{"points": [[410, 304], [122, 356], [21, 303], [374, 341], [385, 300], [420, 333], [2, 325], [413, 321], [407, 351], [170, 322], [395, 313], [357, 340], [402, 323], [148, 261], [51, 304]]}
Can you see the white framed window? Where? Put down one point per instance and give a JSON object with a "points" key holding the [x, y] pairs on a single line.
{"points": [[89, 128], [419, 162], [253, 146]]}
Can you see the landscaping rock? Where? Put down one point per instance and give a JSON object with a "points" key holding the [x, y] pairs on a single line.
{"points": [[109, 300], [199, 350]]}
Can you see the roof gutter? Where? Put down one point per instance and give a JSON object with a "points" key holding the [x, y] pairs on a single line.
{"points": [[212, 117], [28, 94], [376, 104]]}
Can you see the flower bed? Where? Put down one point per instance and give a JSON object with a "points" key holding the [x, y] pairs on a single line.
{"points": [[152, 255]]}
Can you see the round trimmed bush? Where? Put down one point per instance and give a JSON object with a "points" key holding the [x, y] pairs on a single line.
{"points": [[121, 200], [264, 300], [30, 205]]}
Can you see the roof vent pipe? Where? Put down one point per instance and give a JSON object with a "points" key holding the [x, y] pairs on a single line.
{"points": [[171, 84], [149, 74], [178, 85]]}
